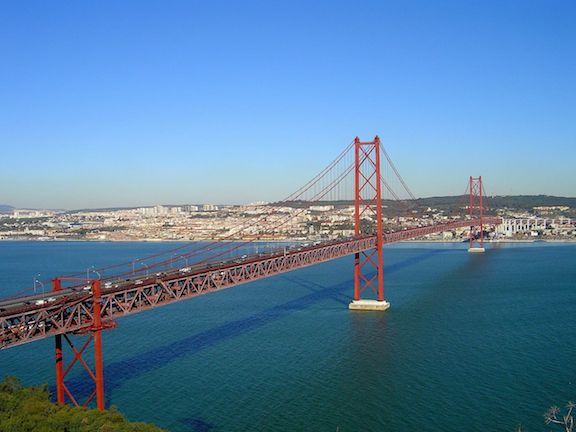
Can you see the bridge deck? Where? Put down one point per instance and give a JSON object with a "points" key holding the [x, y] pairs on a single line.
{"points": [[31, 318]]}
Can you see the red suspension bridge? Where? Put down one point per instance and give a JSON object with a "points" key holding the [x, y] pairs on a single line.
{"points": [[79, 305]]}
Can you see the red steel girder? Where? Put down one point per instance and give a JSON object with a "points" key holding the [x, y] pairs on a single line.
{"points": [[73, 313], [95, 336], [476, 209], [368, 204]]}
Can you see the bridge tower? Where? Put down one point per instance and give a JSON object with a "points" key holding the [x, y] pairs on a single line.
{"points": [[476, 210], [94, 334], [368, 265]]}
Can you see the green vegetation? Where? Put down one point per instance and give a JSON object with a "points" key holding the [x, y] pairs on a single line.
{"points": [[84, 231], [523, 202], [30, 410]]}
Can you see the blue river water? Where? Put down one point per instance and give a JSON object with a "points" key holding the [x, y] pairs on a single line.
{"points": [[472, 342]]}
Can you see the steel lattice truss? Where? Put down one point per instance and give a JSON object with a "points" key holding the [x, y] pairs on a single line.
{"points": [[74, 313]]}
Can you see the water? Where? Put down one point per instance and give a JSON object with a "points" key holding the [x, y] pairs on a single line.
{"points": [[472, 342]]}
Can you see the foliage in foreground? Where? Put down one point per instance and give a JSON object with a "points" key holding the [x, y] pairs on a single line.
{"points": [[30, 410], [555, 417]]}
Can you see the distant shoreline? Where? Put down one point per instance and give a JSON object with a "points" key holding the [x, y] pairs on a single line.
{"points": [[276, 241]]}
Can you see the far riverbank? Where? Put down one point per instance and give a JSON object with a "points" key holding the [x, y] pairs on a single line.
{"points": [[272, 241]]}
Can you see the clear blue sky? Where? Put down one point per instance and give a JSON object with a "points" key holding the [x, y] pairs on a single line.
{"points": [[110, 103]]}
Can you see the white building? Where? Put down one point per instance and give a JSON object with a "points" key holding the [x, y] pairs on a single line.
{"points": [[324, 208]]}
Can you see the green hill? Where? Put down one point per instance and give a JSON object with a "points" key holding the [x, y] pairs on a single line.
{"points": [[522, 202], [30, 410]]}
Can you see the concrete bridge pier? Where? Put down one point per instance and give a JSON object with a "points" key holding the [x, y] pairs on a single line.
{"points": [[369, 305], [476, 250]]}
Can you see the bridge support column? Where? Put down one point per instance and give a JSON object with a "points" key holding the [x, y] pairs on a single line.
{"points": [[57, 286], [475, 206], [95, 335], [368, 203], [97, 332]]}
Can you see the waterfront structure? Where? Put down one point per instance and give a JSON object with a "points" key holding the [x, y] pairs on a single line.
{"points": [[534, 226], [89, 306]]}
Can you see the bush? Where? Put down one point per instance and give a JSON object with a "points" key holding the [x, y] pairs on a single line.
{"points": [[30, 410]]}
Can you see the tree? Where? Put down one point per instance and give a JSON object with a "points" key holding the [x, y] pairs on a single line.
{"points": [[555, 416]]}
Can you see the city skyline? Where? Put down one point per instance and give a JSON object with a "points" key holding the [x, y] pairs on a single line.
{"points": [[126, 105]]}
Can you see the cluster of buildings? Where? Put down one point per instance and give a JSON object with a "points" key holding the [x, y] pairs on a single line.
{"points": [[257, 221], [543, 222]]}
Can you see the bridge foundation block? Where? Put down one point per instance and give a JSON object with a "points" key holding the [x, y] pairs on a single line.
{"points": [[476, 250], [368, 305]]}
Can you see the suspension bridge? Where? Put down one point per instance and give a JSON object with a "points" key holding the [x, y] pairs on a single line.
{"points": [[79, 305]]}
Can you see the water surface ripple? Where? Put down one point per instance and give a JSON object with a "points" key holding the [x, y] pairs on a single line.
{"points": [[472, 342]]}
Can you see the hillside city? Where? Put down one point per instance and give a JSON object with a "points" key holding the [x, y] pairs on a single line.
{"points": [[268, 222]]}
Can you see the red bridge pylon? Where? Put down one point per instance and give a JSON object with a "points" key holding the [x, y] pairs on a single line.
{"points": [[368, 207], [94, 334], [476, 210]]}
